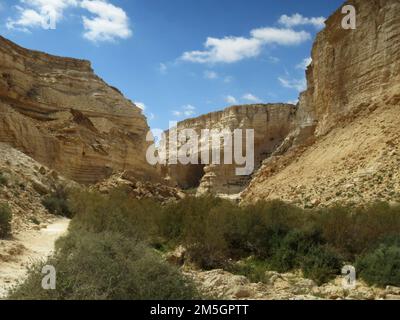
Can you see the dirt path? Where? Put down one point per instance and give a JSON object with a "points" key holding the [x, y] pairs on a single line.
{"points": [[34, 245]]}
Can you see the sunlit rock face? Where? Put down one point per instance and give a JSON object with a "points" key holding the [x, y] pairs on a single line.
{"points": [[345, 146], [351, 69], [60, 113], [270, 123]]}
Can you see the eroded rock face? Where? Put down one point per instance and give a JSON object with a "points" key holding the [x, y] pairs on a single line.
{"points": [[271, 124], [60, 113], [352, 69], [345, 147]]}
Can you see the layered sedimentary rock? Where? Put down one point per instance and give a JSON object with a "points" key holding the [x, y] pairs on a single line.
{"points": [[352, 101], [60, 113], [351, 69], [271, 124]]}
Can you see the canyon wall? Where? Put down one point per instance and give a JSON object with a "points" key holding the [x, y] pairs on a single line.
{"points": [[351, 69], [350, 153], [57, 111], [271, 124]]}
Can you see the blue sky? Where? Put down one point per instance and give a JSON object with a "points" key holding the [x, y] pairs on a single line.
{"points": [[179, 58]]}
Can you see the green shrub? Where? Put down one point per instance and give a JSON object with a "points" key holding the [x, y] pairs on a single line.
{"points": [[354, 231], [5, 220], [381, 266], [201, 225], [57, 203], [252, 269], [321, 264], [107, 266], [115, 212], [296, 245]]}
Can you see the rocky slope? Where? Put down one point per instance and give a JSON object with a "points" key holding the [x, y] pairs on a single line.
{"points": [[138, 189], [289, 286], [57, 111], [271, 124], [352, 102], [24, 183]]}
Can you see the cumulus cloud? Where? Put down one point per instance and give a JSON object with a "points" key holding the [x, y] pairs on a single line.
{"points": [[186, 110], [108, 23], [299, 20], [284, 37], [231, 99], [228, 50], [297, 84], [39, 13], [304, 64], [234, 49], [251, 98]]}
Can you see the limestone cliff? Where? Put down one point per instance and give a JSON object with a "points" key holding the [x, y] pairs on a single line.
{"points": [[271, 124], [352, 69], [60, 113], [352, 101]]}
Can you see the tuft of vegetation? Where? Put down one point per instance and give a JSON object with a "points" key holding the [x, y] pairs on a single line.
{"points": [[321, 264], [5, 220], [106, 266], [251, 268], [115, 238], [57, 202], [381, 266]]}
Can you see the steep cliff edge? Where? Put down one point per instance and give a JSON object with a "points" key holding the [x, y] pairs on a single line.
{"points": [[271, 124], [57, 111], [353, 101]]}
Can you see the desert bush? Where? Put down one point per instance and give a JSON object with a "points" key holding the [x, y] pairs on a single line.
{"points": [[199, 224], [5, 220], [57, 202], [251, 268], [107, 266], [290, 252], [381, 266], [321, 264], [115, 212], [354, 231]]}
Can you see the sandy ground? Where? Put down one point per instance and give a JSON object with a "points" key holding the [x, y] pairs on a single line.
{"points": [[26, 248]]}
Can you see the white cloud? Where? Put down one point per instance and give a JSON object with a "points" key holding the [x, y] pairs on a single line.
{"points": [[252, 98], [285, 37], [39, 13], [234, 49], [108, 23], [299, 20], [297, 84], [186, 110], [140, 105], [231, 100], [304, 64], [227, 50], [210, 75]]}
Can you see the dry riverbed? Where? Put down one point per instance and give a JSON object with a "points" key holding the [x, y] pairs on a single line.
{"points": [[26, 248]]}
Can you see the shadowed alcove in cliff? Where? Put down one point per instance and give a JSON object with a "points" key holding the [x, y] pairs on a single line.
{"points": [[187, 176]]}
